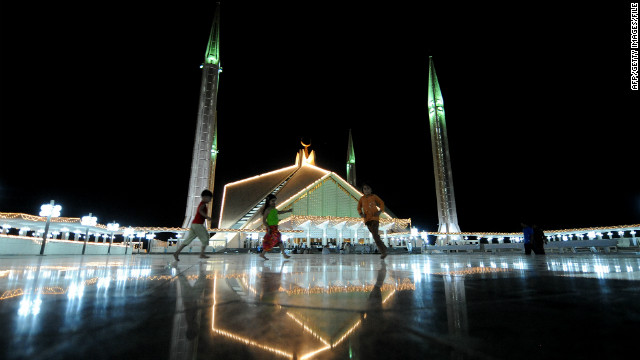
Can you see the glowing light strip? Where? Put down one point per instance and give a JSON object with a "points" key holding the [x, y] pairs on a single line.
{"points": [[11, 293], [285, 204], [347, 289], [308, 329], [224, 195], [315, 167], [240, 338], [313, 184], [292, 167], [358, 192], [252, 343], [34, 218], [473, 271], [340, 219], [306, 356], [346, 334], [389, 296]]}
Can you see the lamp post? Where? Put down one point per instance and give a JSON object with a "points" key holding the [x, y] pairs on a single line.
{"points": [[128, 234], [141, 236], [149, 238], [49, 210], [113, 227], [88, 221]]}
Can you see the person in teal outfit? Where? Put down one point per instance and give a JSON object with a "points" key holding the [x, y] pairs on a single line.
{"points": [[270, 220]]}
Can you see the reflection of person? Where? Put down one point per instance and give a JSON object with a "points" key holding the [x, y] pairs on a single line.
{"points": [[375, 297], [370, 206], [375, 330], [270, 284], [270, 221], [192, 299], [197, 228]]}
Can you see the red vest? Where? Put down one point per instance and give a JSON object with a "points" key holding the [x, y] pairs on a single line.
{"points": [[199, 219]]}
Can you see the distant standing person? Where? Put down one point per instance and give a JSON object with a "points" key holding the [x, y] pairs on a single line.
{"points": [[197, 228], [527, 231], [270, 220], [370, 207], [538, 240]]}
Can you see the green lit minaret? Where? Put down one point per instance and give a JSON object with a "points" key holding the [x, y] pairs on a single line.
{"points": [[447, 214], [205, 147], [351, 162]]}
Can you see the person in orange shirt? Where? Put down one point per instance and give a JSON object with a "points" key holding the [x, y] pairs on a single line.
{"points": [[370, 207]]}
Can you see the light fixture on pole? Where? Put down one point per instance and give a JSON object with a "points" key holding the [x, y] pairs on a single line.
{"points": [[88, 221], [113, 227], [49, 210], [128, 234], [141, 236], [149, 238]]}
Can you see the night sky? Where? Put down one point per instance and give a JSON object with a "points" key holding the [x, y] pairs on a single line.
{"points": [[99, 105]]}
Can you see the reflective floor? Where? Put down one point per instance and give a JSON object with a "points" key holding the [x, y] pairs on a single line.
{"points": [[467, 306]]}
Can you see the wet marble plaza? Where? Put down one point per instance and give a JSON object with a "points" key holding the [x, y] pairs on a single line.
{"points": [[440, 306]]}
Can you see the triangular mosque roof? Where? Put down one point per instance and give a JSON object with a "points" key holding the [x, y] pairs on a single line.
{"points": [[244, 199], [241, 197]]}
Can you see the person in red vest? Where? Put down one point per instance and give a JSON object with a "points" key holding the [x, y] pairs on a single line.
{"points": [[197, 228]]}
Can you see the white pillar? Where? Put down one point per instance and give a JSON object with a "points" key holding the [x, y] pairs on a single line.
{"points": [[324, 236]]}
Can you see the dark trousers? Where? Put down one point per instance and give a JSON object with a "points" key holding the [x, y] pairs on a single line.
{"points": [[538, 249], [373, 226]]}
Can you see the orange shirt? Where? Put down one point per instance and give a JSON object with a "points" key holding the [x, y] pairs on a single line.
{"points": [[369, 205]]}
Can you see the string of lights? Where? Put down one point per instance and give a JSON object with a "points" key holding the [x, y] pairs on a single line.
{"points": [[296, 221]]}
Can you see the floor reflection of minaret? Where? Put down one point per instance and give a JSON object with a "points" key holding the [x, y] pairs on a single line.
{"points": [[456, 305], [186, 319]]}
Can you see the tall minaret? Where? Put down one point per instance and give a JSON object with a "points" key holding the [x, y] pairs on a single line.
{"points": [[448, 217], [351, 162], [205, 147]]}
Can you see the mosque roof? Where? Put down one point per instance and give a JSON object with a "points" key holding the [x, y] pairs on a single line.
{"points": [[243, 196], [244, 199]]}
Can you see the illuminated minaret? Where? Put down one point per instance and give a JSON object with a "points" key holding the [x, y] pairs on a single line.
{"points": [[205, 147], [448, 217], [351, 162]]}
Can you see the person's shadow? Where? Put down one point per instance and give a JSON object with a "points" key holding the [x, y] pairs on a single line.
{"points": [[374, 324]]}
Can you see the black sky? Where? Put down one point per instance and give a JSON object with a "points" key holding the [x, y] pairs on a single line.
{"points": [[99, 105]]}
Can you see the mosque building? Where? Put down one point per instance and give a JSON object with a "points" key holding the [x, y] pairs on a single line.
{"points": [[324, 206]]}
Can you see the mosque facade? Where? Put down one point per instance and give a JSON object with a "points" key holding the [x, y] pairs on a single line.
{"points": [[324, 207]]}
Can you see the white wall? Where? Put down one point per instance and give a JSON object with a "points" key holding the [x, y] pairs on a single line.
{"points": [[21, 245]]}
